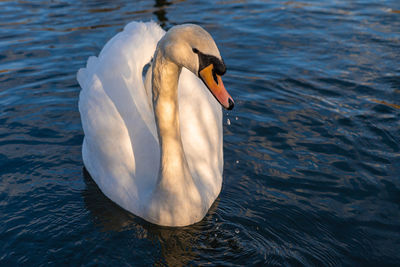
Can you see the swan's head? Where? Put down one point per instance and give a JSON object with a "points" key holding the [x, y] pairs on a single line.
{"points": [[190, 46]]}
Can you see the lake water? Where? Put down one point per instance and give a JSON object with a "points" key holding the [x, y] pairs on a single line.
{"points": [[312, 148]]}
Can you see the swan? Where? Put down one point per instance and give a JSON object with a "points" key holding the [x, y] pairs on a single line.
{"points": [[153, 142]]}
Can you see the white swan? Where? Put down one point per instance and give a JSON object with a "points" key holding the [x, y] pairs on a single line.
{"points": [[152, 148]]}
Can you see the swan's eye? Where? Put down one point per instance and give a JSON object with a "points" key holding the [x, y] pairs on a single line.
{"points": [[195, 50]]}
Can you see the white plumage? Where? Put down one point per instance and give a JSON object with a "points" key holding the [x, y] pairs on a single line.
{"points": [[121, 149]]}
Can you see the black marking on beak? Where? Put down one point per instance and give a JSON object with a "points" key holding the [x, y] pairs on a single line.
{"points": [[231, 104], [206, 60], [215, 76]]}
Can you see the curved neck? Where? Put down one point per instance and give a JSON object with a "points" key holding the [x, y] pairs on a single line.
{"points": [[165, 78]]}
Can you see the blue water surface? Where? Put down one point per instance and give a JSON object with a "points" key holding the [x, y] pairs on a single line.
{"points": [[312, 148]]}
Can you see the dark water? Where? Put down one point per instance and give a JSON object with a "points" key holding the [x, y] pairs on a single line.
{"points": [[312, 149]]}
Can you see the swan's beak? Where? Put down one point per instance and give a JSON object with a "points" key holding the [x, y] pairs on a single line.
{"points": [[214, 83]]}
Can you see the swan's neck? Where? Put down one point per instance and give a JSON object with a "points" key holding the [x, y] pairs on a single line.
{"points": [[173, 168], [176, 199]]}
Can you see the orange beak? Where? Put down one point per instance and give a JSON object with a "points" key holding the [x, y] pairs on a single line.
{"points": [[216, 86]]}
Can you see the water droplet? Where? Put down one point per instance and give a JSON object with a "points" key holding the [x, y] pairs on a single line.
{"points": [[237, 231], [228, 121], [216, 219], [236, 118], [237, 162]]}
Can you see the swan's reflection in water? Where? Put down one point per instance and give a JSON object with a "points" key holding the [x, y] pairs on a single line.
{"points": [[160, 12], [176, 243]]}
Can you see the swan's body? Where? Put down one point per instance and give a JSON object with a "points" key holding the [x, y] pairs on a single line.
{"points": [[153, 147]]}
